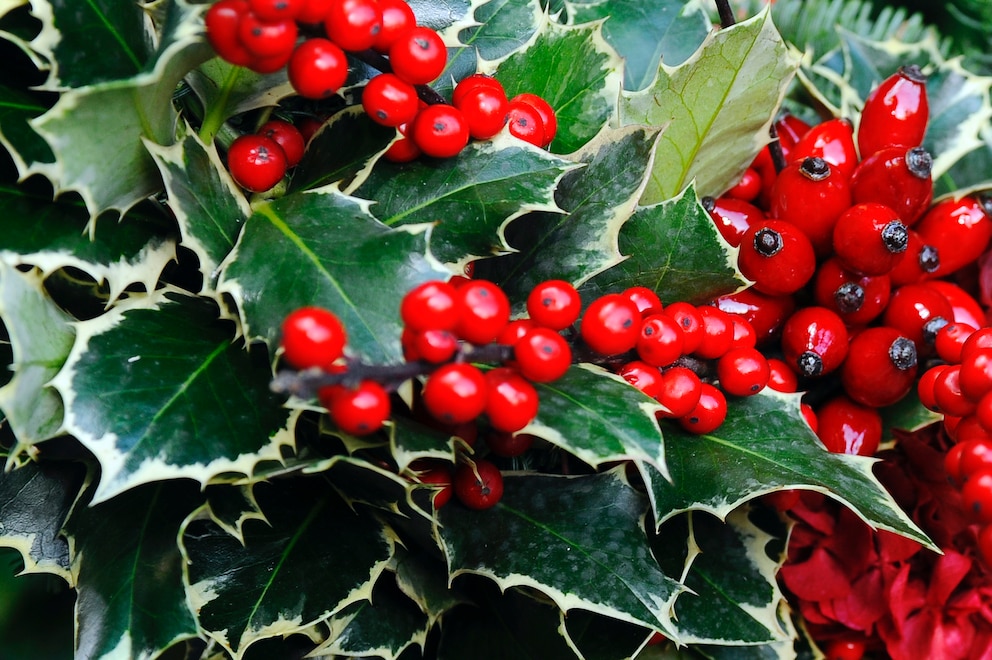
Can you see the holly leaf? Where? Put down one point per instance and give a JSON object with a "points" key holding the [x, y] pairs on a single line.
{"points": [[208, 205], [597, 198], [470, 197], [714, 128], [424, 580], [36, 531], [440, 15], [383, 627], [765, 445], [41, 336], [411, 441], [156, 389], [602, 638], [128, 572], [598, 417], [502, 26], [27, 149], [908, 414], [674, 249], [578, 540], [246, 592], [645, 33], [109, 166], [231, 506], [575, 71], [324, 248]]}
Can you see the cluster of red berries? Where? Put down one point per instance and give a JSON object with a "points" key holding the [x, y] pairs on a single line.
{"points": [[265, 36], [258, 161], [845, 248]]}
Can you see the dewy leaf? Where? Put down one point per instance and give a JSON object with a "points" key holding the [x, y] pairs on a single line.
{"points": [[470, 197], [645, 32], [36, 531], [674, 249], [502, 26], [246, 592], [156, 389], [718, 104], [127, 570], [765, 445], [41, 336], [96, 131], [600, 418], [208, 205], [25, 146], [578, 540], [324, 248], [598, 199], [573, 69], [52, 235]]}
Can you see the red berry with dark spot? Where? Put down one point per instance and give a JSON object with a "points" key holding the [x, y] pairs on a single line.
{"points": [[256, 162], [870, 238], [895, 113], [611, 324], [708, 414], [811, 196], [478, 485], [814, 341], [455, 393], [898, 178], [880, 368], [777, 256]]}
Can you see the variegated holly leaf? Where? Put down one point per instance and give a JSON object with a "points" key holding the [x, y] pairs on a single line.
{"points": [[109, 167], [343, 150], [580, 541], [645, 32], [441, 15], [969, 173], [127, 570], [245, 592], [470, 197], [598, 198], [384, 627], [36, 531], [231, 506], [674, 249], [908, 414], [208, 205], [156, 389], [732, 593], [766, 445], [574, 70], [41, 336], [718, 106], [501, 27], [424, 580], [25, 146], [52, 235], [325, 248], [601, 638], [411, 441]]}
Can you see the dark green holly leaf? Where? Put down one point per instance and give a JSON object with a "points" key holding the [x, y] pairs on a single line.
{"points": [[341, 150], [601, 638], [578, 540], [598, 199], [714, 128], [645, 32], [424, 580], [765, 445], [246, 592], [156, 390], [360, 482], [502, 26], [410, 441], [908, 414], [96, 131], [511, 625], [208, 205], [470, 197], [674, 249], [598, 417], [573, 69], [36, 531], [383, 627], [231, 506], [324, 248], [41, 336], [128, 572], [24, 145]]}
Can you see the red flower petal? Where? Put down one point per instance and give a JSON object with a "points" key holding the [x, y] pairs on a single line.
{"points": [[820, 577]]}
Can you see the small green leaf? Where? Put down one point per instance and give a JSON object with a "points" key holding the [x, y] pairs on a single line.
{"points": [[324, 248], [645, 32], [502, 26], [578, 540], [765, 445], [470, 197], [573, 69], [246, 592], [156, 390], [598, 199], [128, 572], [36, 531], [718, 106], [41, 337], [674, 249]]}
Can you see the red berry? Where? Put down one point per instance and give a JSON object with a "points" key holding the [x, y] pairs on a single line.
{"points": [[947, 393], [747, 188], [312, 337], [509, 445], [397, 18], [777, 256], [845, 649], [898, 178], [959, 230], [403, 149], [847, 427], [286, 136], [833, 141], [950, 340], [478, 485], [765, 314], [858, 299], [433, 345], [439, 476], [390, 101], [917, 262], [358, 411], [472, 82], [256, 162], [870, 238], [718, 332], [742, 371], [549, 121], [511, 401], [814, 341], [708, 414], [790, 129], [690, 320], [645, 299], [514, 331], [880, 368], [353, 24], [976, 496], [811, 196], [976, 374], [732, 217], [542, 355], [660, 342], [221, 21], [524, 122], [264, 39], [918, 312], [554, 304], [440, 130], [317, 68], [483, 311], [781, 377], [455, 393], [418, 55], [486, 110], [276, 10], [430, 305], [895, 113], [925, 387], [313, 11], [679, 393], [611, 324], [643, 376], [966, 309]]}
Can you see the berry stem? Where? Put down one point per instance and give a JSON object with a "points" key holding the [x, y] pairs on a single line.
{"points": [[775, 150], [726, 13]]}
